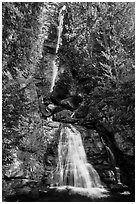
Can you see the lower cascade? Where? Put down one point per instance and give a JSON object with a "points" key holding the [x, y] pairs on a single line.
{"points": [[73, 170]]}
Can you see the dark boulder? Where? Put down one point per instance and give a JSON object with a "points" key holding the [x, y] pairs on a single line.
{"points": [[71, 103], [64, 116]]}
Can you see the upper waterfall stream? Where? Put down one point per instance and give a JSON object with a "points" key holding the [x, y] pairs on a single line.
{"points": [[60, 28], [54, 74]]}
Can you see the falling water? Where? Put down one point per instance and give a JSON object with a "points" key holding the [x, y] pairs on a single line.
{"points": [[73, 170], [54, 74], [60, 28]]}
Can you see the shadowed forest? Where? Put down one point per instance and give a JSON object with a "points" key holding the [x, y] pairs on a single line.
{"points": [[68, 101]]}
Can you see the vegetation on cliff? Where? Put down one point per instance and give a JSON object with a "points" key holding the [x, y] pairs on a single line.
{"points": [[97, 58]]}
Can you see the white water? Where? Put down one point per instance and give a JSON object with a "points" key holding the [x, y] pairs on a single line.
{"points": [[60, 27], [54, 66], [73, 170], [54, 74]]}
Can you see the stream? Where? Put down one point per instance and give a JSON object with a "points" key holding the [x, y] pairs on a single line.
{"points": [[73, 178]]}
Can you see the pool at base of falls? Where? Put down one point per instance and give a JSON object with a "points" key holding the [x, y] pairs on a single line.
{"points": [[88, 192]]}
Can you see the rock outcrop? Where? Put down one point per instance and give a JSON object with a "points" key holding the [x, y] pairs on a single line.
{"points": [[101, 147]]}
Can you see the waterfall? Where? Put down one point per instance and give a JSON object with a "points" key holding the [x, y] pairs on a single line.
{"points": [[60, 28], [73, 169], [54, 73]]}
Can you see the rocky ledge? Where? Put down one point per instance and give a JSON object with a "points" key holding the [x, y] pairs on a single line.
{"points": [[32, 192]]}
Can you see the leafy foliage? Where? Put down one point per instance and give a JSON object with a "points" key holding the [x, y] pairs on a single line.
{"points": [[97, 55], [99, 47], [21, 52]]}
